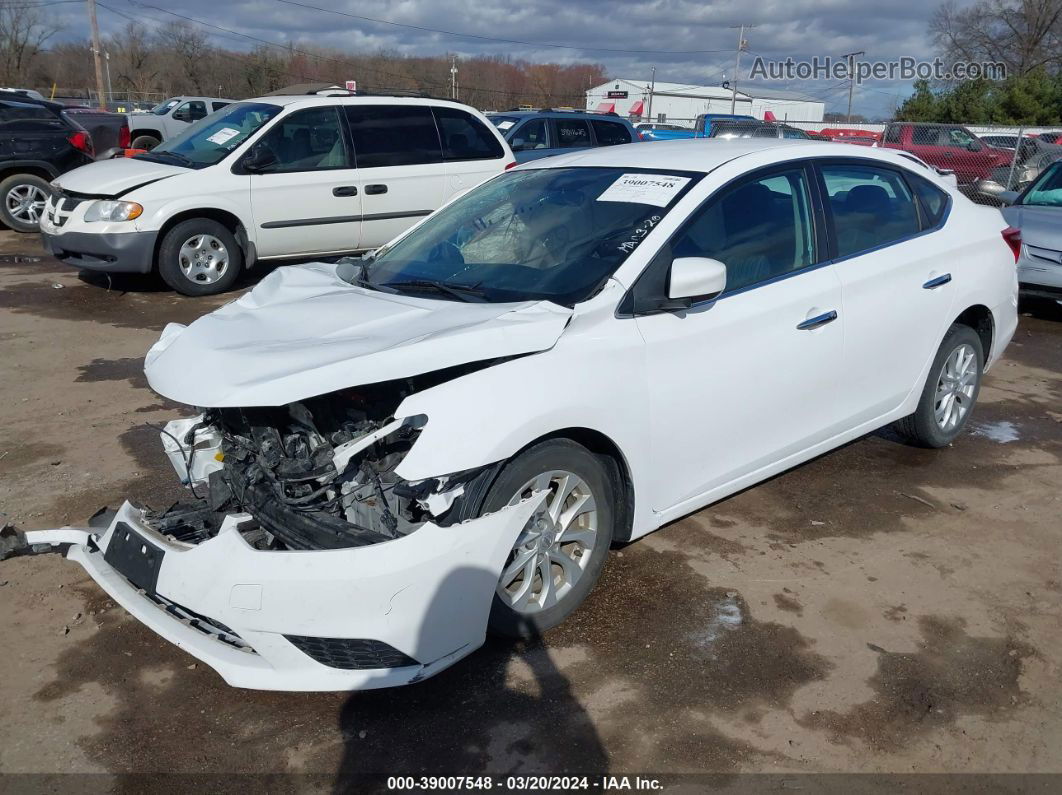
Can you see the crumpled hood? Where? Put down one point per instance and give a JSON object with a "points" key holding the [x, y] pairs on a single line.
{"points": [[111, 177], [303, 331], [1040, 226]]}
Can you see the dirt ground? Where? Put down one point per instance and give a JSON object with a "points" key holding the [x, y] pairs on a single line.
{"points": [[880, 609]]}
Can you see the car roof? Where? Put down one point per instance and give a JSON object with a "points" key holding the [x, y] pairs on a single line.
{"points": [[560, 114], [312, 100], [707, 154]]}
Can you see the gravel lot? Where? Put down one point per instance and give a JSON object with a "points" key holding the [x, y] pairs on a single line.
{"points": [[882, 608]]}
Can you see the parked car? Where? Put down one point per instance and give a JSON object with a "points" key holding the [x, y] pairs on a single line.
{"points": [[756, 129], [948, 146], [108, 130], [39, 141], [702, 127], [169, 118], [851, 136], [1054, 137], [657, 131], [543, 133], [1033, 156], [1035, 218], [396, 454], [270, 178]]}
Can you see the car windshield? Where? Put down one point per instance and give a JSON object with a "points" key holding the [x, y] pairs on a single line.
{"points": [[551, 234], [211, 139], [1047, 190], [164, 107]]}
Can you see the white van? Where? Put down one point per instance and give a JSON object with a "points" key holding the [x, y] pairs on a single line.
{"points": [[270, 178]]}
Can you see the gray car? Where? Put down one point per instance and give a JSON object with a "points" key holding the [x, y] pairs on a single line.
{"points": [[1036, 213]]}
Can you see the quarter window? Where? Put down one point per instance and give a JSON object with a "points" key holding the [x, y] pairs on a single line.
{"points": [[759, 229], [464, 137], [393, 135], [609, 133], [307, 140], [932, 200], [531, 135], [871, 207], [572, 133]]}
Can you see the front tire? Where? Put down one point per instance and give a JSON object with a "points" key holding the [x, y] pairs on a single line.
{"points": [[200, 257], [560, 553], [22, 199], [950, 392]]}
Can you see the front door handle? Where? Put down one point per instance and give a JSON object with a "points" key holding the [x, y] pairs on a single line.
{"points": [[818, 321], [934, 283], [345, 190], [373, 190]]}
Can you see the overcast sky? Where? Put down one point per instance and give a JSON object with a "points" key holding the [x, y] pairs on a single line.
{"points": [[604, 31]]}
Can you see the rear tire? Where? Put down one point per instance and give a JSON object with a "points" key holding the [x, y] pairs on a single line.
{"points": [[22, 198], [545, 577], [950, 391], [147, 142], [200, 257]]}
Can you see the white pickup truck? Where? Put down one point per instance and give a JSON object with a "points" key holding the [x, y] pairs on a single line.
{"points": [[147, 129]]}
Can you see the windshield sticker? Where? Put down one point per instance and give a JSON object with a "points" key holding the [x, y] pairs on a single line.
{"points": [[223, 135], [505, 125], [655, 189], [631, 243]]}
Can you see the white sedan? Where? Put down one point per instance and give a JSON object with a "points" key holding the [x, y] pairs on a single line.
{"points": [[397, 454]]}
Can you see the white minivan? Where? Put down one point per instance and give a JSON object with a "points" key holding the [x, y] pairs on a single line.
{"points": [[270, 178]]}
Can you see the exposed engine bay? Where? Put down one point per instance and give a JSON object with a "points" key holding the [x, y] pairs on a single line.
{"points": [[315, 474]]}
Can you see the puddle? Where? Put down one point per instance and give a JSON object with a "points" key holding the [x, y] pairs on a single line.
{"points": [[1002, 432]]}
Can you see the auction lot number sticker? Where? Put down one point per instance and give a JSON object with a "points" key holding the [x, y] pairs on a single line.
{"points": [[655, 189]]}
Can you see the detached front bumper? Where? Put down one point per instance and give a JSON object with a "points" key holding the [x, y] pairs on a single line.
{"points": [[310, 620]]}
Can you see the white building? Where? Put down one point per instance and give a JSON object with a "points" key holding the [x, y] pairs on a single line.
{"points": [[681, 103]]}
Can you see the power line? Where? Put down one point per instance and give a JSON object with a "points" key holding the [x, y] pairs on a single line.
{"points": [[425, 29]]}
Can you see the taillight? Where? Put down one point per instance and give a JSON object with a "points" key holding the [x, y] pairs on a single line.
{"points": [[1012, 235], [510, 165], [81, 141], [123, 137]]}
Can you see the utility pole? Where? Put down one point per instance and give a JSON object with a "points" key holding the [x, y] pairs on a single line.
{"points": [[110, 91], [741, 45], [453, 78], [652, 88], [851, 56], [96, 51]]}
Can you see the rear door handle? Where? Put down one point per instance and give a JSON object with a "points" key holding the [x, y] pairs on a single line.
{"points": [[932, 284], [345, 190], [818, 321], [373, 190]]}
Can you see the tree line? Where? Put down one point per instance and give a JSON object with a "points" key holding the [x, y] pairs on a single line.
{"points": [[179, 58], [1024, 35]]}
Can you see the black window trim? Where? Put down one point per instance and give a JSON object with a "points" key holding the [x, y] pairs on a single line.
{"points": [[901, 172], [663, 258]]}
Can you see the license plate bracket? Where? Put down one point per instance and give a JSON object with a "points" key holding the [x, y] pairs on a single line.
{"points": [[134, 557]]}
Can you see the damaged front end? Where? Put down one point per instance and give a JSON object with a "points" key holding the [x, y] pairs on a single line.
{"points": [[316, 474]]}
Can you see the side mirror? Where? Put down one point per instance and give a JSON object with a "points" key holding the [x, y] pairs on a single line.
{"points": [[180, 115], [696, 277], [988, 187], [258, 160]]}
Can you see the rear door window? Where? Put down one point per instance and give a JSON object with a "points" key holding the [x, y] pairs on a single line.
{"points": [[393, 135], [218, 105], [17, 117], [871, 206], [572, 133], [465, 137], [610, 133]]}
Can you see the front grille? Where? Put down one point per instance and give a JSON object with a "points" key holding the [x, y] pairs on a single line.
{"points": [[61, 205], [349, 654]]}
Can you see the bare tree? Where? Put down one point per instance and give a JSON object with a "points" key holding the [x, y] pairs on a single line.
{"points": [[1024, 35], [135, 59], [22, 35], [186, 47]]}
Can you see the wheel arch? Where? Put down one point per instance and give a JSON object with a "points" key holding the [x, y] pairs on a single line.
{"points": [[979, 318], [227, 219], [133, 133], [45, 171]]}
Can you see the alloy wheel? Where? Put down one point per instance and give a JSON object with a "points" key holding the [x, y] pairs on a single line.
{"points": [[955, 387], [555, 546], [26, 203]]}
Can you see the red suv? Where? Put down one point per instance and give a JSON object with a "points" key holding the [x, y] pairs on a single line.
{"points": [[946, 146]]}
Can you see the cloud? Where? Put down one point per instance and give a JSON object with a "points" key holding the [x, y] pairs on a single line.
{"points": [[590, 30]]}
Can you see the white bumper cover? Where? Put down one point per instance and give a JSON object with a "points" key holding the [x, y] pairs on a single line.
{"points": [[427, 595]]}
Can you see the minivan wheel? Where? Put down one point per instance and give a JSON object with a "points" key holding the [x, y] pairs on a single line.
{"points": [[950, 391], [200, 257], [147, 142], [560, 552], [22, 199]]}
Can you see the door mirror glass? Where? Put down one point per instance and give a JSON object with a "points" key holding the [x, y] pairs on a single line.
{"points": [[258, 160], [696, 277]]}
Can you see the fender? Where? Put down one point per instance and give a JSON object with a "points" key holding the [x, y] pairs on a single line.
{"points": [[22, 165]]}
